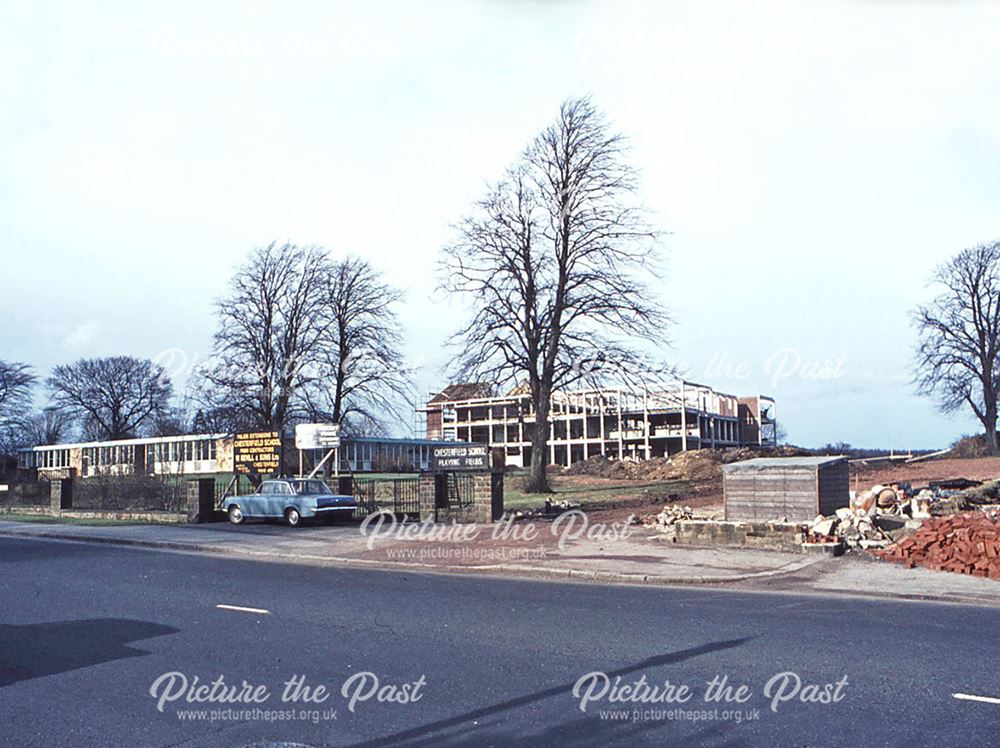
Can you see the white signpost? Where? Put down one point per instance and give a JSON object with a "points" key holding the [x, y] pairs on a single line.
{"points": [[319, 436]]}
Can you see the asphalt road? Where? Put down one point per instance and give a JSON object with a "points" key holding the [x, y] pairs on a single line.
{"points": [[87, 630]]}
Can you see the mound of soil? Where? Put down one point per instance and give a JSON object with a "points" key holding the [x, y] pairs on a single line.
{"points": [[600, 466], [698, 466]]}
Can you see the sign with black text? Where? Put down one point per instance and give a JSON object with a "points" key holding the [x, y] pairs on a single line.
{"points": [[259, 453]]}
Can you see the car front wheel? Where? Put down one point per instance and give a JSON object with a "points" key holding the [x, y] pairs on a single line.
{"points": [[235, 515], [292, 517]]}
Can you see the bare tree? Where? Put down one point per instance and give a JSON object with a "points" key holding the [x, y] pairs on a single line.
{"points": [[364, 377], [111, 398], [272, 325], [172, 421], [302, 336], [16, 382], [959, 337], [220, 417], [48, 426], [555, 258]]}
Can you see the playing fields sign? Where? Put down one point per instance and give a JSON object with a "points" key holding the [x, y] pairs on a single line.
{"points": [[460, 458]]}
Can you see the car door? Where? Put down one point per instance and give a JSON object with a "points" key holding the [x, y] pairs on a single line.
{"points": [[255, 504], [278, 499]]}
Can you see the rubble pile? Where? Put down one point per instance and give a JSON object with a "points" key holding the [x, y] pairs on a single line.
{"points": [[666, 521], [561, 506], [669, 516], [967, 543], [856, 529], [881, 515]]}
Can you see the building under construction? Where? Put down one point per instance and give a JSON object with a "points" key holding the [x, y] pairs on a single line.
{"points": [[619, 423]]}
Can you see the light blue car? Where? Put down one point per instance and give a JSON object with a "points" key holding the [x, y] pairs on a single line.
{"points": [[292, 499]]}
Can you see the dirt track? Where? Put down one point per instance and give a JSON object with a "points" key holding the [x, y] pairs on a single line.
{"points": [[920, 473]]}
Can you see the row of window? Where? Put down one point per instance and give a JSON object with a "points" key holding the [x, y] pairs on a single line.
{"points": [[384, 456], [52, 458], [123, 454], [200, 449]]}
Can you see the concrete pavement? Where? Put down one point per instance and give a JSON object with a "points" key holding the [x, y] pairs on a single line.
{"points": [[633, 555], [87, 630], [641, 557]]}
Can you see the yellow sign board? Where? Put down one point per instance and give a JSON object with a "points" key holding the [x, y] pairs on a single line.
{"points": [[259, 452]]}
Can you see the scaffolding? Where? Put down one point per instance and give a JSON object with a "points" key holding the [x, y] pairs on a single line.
{"points": [[617, 422]]}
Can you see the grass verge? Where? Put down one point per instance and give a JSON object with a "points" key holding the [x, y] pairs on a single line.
{"points": [[48, 519]]}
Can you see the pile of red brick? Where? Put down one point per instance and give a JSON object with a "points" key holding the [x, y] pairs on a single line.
{"points": [[967, 543]]}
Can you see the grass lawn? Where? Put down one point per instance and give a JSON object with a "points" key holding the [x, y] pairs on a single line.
{"points": [[586, 490]]}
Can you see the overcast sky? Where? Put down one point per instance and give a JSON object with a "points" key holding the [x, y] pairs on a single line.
{"points": [[812, 163]]}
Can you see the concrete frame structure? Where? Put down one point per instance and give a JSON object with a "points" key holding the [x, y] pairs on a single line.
{"points": [[618, 423]]}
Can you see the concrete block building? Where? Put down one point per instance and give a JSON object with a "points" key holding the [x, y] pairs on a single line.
{"points": [[620, 423]]}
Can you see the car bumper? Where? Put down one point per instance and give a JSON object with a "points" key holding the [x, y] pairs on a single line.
{"points": [[325, 509]]}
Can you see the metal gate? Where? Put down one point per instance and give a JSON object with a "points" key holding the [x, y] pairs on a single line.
{"points": [[396, 495], [453, 490]]}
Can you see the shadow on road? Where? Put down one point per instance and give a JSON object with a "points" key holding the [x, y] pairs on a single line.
{"points": [[29, 551], [35, 650], [457, 730]]}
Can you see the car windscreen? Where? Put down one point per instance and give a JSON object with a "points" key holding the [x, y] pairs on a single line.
{"points": [[309, 487]]}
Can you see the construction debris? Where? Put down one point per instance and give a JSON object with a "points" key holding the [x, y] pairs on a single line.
{"points": [[561, 506], [855, 529], [666, 521], [670, 515], [967, 543], [883, 514]]}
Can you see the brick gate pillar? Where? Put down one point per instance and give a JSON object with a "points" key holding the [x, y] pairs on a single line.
{"points": [[201, 500], [61, 492], [428, 508]]}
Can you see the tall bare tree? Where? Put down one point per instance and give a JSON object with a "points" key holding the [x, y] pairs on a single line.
{"points": [[304, 336], [111, 398], [16, 382], [364, 377], [48, 426], [555, 258], [272, 325], [959, 337]]}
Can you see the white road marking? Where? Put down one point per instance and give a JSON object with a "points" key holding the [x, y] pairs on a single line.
{"points": [[241, 609], [970, 697]]}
